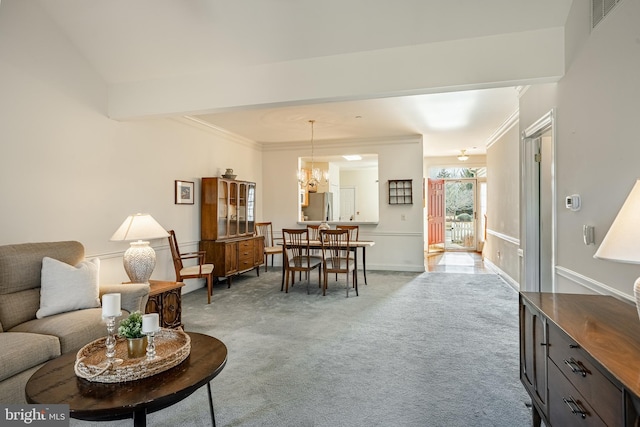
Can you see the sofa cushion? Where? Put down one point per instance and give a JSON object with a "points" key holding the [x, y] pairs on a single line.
{"points": [[20, 268], [21, 351], [19, 307], [66, 287], [74, 328]]}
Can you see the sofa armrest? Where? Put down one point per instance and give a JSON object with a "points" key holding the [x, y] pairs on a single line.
{"points": [[133, 296]]}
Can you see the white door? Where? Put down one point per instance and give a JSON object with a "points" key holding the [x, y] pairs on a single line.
{"points": [[347, 204]]}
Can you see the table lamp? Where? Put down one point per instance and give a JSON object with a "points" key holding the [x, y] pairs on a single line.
{"points": [[622, 242], [140, 259]]}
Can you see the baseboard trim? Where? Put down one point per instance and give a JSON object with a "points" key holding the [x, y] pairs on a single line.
{"points": [[504, 276]]}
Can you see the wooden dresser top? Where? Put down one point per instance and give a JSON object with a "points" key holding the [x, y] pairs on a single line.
{"points": [[605, 327]]}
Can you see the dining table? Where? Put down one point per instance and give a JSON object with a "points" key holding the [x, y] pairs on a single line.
{"points": [[353, 244]]}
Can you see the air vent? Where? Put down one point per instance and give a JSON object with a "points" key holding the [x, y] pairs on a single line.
{"points": [[600, 9]]}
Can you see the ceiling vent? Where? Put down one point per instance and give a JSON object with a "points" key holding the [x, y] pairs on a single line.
{"points": [[600, 9]]}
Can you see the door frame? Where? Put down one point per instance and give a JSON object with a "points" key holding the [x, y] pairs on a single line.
{"points": [[530, 202]]}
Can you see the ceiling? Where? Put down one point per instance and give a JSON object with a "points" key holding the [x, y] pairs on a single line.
{"points": [[148, 40], [449, 122]]}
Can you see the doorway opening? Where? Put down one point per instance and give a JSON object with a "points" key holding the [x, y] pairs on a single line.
{"points": [[457, 200], [539, 210]]}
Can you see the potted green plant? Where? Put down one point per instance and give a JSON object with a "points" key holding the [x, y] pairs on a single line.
{"points": [[131, 329]]}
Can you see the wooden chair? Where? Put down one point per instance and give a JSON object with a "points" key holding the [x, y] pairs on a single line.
{"points": [[297, 257], [265, 229], [354, 231], [314, 232], [200, 271], [336, 257]]}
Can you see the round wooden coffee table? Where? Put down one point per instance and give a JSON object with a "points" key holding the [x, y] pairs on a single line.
{"points": [[57, 383]]}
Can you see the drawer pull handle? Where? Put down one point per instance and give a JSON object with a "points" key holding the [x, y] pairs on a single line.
{"points": [[574, 346], [576, 368], [574, 407]]}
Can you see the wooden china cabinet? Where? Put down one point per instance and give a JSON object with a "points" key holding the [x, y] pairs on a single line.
{"points": [[227, 227]]}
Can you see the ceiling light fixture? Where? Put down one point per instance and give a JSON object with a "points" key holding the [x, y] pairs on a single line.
{"points": [[463, 155], [312, 177]]}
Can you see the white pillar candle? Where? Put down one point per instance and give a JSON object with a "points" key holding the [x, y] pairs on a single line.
{"points": [[110, 305], [150, 323]]}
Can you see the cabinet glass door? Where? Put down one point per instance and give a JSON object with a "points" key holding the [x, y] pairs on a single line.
{"points": [[251, 208], [223, 209], [233, 208], [242, 208]]}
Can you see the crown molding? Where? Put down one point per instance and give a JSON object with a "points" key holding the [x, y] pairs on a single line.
{"points": [[510, 122], [342, 143], [218, 131]]}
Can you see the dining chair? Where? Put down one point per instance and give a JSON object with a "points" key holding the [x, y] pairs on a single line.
{"points": [[336, 258], [200, 271], [354, 234], [354, 231], [314, 231], [265, 229], [297, 256]]}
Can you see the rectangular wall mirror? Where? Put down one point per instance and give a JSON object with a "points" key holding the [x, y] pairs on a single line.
{"points": [[338, 189]]}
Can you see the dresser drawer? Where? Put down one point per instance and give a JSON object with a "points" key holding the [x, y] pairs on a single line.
{"points": [[245, 245], [605, 398], [246, 259], [567, 407]]}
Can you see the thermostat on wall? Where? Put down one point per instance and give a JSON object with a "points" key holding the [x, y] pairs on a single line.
{"points": [[573, 202]]}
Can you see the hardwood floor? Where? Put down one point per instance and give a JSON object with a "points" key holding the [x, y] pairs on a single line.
{"points": [[455, 262]]}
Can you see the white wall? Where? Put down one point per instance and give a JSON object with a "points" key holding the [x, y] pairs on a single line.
{"points": [[597, 146], [70, 173], [503, 204], [399, 243]]}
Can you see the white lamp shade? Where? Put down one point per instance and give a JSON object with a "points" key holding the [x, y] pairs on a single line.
{"points": [[622, 242], [140, 259], [139, 227]]}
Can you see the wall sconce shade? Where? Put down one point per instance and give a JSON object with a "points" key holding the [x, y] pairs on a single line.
{"points": [[140, 259]]}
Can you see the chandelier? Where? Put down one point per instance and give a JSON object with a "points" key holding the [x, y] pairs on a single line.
{"points": [[311, 178]]}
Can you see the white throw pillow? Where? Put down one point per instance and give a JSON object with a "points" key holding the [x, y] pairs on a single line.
{"points": [[64, 287]]}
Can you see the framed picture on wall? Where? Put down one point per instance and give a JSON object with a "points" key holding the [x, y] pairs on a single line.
{"points": [[184, 193]]}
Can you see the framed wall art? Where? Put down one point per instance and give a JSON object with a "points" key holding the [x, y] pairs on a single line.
{"points": [[184, 193]]}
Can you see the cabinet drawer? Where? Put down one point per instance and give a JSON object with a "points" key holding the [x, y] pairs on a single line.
{"points": [[245, 246], [568, 357], [565, 398]]}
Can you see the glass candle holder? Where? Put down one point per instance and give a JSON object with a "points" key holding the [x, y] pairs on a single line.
{"points": [[110, 342]]}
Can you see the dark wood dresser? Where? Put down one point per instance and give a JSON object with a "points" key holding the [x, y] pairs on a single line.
{"points": [[580, 359], [165, 298]]}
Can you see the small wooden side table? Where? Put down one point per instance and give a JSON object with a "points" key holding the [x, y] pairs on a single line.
{"points": [[165, 298]]}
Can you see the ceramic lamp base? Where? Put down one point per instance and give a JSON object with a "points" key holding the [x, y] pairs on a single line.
{"points": [[139, 261]]}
